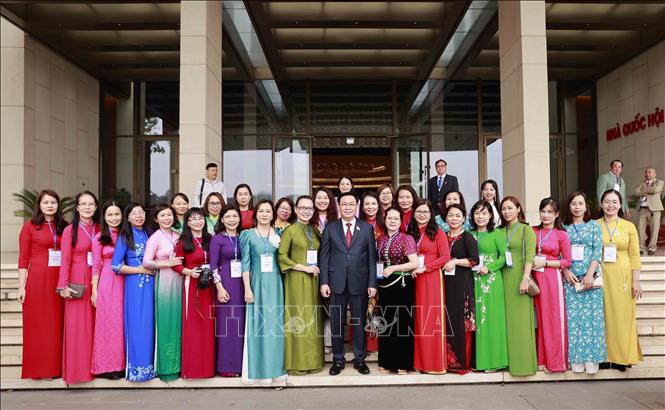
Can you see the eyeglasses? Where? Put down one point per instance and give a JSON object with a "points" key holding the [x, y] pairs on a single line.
{"points": [[137, 213], [199, 219], [426, 212], [87, 204], [306, 208], [215, 203], [347, 205], [387, 193]]}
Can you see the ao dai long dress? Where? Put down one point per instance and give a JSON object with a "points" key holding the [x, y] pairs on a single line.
{"points": [[108, 352], [79, 313], [552, 336], [264, 334], [430, 330], [460, 305], [397, 299], [139, 308], [168, 304], [584, 310], [198, 317], [303, 323], [520, 317], [623, 344], [230, 316], [491, 348], [43, 309]]}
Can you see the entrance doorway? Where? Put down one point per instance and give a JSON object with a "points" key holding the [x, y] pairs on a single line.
{"points": [[366, 160]]}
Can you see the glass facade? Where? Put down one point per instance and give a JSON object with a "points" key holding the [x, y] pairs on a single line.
{"points": [[286, 141]]}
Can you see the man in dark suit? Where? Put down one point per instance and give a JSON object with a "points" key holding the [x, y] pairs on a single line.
{"points": [[348, 277], [440, 184]]}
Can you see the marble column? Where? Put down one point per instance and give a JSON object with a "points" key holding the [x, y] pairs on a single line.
{"points": [[200, 90], [524, 103]]}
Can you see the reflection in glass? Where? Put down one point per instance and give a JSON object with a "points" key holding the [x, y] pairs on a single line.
{"points": [[461, 154], [292, 174], [159, 185], [410, 158], [495, 163]]}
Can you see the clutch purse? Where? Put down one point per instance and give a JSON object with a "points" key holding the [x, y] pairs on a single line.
{"points": [[79, 289], [533, 289], [597, 282]]}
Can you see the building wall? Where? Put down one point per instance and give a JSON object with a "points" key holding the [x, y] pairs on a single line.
{"points": [[50, 125], [637, 87]]}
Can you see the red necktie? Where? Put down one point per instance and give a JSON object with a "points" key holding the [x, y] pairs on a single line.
{"points": [[348, 235]]}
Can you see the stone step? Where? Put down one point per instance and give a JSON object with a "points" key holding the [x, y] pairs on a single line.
{"points": [[10, 306], [653, 267], [348, 377], [9, 284], [649, 276], [653, 286], [7, 294], [10, 320], [648, 299], [650, 312], [10, 340]]}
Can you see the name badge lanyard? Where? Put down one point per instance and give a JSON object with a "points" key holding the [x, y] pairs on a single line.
{"points": [[452, 242], [265, 240], [616, 225], [205, 254], [577, 235], [541, 240], [88, 233], [234, 243], [510, 234], [55, 238], [308, 233]]}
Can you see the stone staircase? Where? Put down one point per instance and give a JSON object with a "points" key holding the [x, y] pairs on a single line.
{"points": [[650, 322]]}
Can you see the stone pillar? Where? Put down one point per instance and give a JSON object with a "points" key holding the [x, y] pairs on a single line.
{"points": [[200, 90], [16, 171], [524, 104]]}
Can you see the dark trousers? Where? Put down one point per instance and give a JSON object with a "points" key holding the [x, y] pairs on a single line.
{"points": [[358, 305]]}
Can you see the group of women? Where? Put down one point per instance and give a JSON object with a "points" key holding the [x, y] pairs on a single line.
{"points": [[233, 289]]}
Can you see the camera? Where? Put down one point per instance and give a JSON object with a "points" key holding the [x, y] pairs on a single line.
{"points": [[205, 278]]}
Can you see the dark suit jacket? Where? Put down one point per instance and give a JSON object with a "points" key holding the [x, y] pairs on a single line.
{"points": [[433, 193], [342, 265]]}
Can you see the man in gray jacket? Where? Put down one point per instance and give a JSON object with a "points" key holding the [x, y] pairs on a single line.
{"points": [[649, 208], [348, 277], [613, 180]]}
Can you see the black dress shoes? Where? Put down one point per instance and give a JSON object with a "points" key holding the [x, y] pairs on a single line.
{"points": [[361, 367], [336, 368]]}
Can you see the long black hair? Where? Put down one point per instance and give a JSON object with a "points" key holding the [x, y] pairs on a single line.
{"points": [[258, 204], [126, 230], [480, 205], [38, 218], [496, 193], [187, 238], [343, 177], [430, 229], [555, 205], [414, 196], [76, 219], [105, 237]]}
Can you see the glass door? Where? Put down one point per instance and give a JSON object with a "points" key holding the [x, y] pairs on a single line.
{"points": [[492, 160], [411, 162], [159, 159], [292, 166]]}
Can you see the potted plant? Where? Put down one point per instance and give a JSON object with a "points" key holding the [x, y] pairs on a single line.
{"points": [[28, 199]]}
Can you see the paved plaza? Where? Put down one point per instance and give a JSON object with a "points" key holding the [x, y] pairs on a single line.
{"points": [[638, 394]]}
